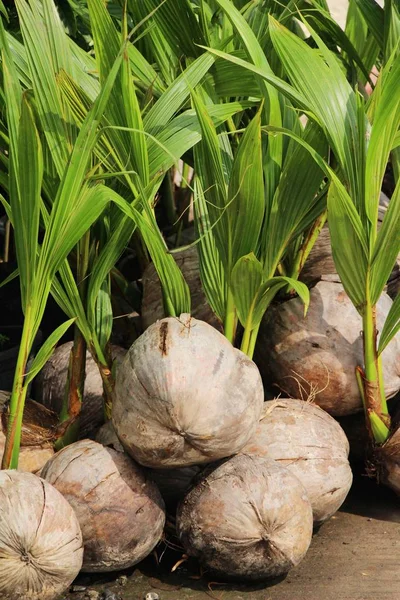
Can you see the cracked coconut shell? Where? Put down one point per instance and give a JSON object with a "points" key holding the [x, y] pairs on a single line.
{"points": [[248, 518], [316, 355], [312, 445], [40, 539], [184, 395], [51, 381], [120, 511]]}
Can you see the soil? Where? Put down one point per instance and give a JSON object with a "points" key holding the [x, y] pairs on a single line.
{"points": [[354, 556]]}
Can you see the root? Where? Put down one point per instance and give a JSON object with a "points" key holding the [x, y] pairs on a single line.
{"points": [[307, 395]]}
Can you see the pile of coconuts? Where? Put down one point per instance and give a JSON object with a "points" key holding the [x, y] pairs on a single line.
{"points": [[191, 430], [251, 479], [192, 433]]}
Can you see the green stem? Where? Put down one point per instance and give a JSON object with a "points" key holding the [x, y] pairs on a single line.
{"points": [[246, 340], [230, 318], [18, 396], [253, 341], [374, 394]]}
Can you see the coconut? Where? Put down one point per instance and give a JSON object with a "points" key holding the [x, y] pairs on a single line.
{"points": [[121, 513], [312, 445], [247, 518], [184, 395], [51, 381], [152, 302], [317, 355], [40, 539]]}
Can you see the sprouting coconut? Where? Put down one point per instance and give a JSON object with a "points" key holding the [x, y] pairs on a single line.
{"points": [[31, 458], [312, 445], [172, 483], [40, 539], [317, 355], [120, 511], [184, 395], [152, 303], [248, 518], [51, 381]]}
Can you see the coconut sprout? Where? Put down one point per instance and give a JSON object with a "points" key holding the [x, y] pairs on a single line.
{"points": [[120, 511], [185, 396], [248, 518], [40, 539], [51, 382], [313, 447], [317, 355]]}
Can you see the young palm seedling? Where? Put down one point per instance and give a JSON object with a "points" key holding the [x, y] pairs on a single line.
{"points": [[70, 216], [361, 136]]}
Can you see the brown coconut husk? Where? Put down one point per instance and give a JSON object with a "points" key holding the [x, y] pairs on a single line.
{"points": [[39, 432], [40, 539], [51, 381], [318, 353], [184, 395], [312, 445], [248, 518], [152, 303], [120, 511]]}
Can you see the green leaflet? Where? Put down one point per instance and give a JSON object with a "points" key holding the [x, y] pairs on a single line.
{"points": [[46, 351]]}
